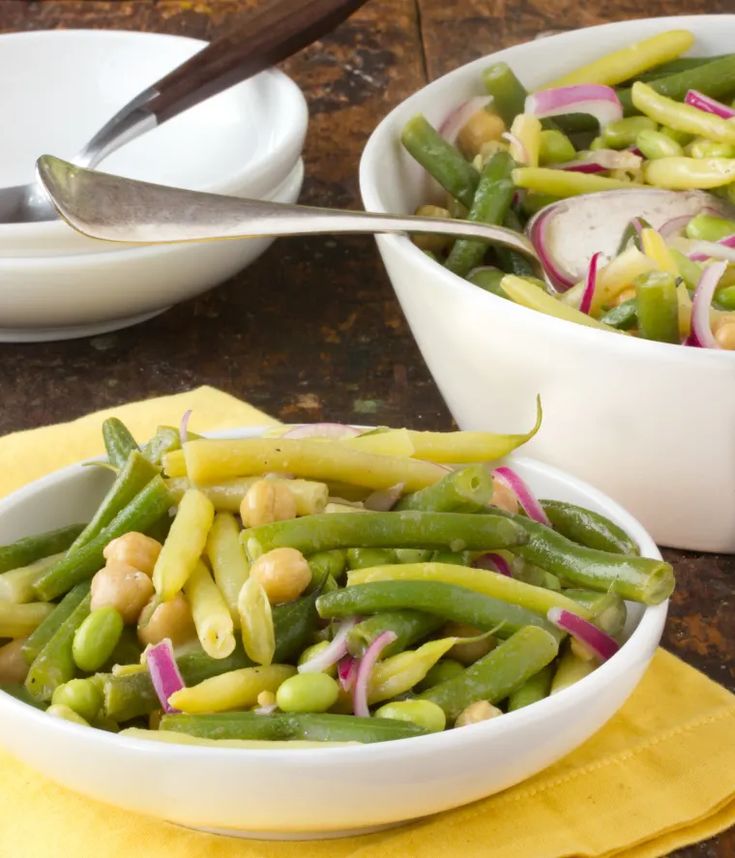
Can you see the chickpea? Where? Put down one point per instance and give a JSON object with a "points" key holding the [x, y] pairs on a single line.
{"points": [[626, 295], [134, 549], [432, 243], [13, 666], [283, 573], [481, 127], [266, 698], [267, 501], [467, 653], [121, 586], [171, 619], [503, 497], [725, 335], [480, 710]]}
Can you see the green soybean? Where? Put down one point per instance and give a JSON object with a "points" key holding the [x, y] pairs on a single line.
{"points": [[307, 692], [66, 713], [653, 145], [556, 148], [96, 638], [81, 695], [422, 713], [363, 558], [624, 132], [443, 670], [710, 149], [704, 227], [725, 298]]}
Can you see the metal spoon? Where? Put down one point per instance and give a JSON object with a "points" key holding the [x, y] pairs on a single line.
{"points": [[117, 209], [266, 36]]}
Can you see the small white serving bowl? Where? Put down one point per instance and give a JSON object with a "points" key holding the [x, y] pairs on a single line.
{"points": [[649, 423], [62, 86], [326, 792]]}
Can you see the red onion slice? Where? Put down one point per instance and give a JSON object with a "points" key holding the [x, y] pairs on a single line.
{"points": [[526, 498], [164, 672], [697, 99], [454, 121], [585, 632], [603, 159], [384, 500], [184, 426], [493, 563], [701, 328], [597, 100], [331, 654], [333, 431], [346, 672], [671, 227], [590, 284], [538, 235], [364, 670], [700, 251]]}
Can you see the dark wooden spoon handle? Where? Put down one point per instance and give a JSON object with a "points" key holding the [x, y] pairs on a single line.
{"points": [[272, 32]]}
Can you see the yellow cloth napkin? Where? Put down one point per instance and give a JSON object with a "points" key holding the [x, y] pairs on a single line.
{"points": [[658, 776]]}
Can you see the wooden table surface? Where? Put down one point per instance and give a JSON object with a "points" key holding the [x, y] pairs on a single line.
{"points": [[312, 330]]}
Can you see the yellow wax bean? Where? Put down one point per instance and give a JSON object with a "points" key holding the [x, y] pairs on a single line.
{"points": [[399, 673], [619, 274], [228, 560], [460, 447], [172, 738], [256, 622], [174, 464], [184, 544], [657, 251], [211, 614], [18, 621], [16, 585], [528, 295], [237, 689], [527, 129], [485, 581], [680, 174], [680, 116], [208, 461], [565, 183], [393, 442], [630, 61]]}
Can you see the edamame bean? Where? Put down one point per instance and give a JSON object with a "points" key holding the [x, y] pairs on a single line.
{"points": [[307, 692], [96, 638], [624, 132], [654, 144], [706, 227], [313, 650], [423, 713], [701, 148], [556, 148], [60, 710], [725, 298], [81, 696]]}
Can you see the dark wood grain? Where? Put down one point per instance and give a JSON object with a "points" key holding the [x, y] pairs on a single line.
{"points": [[312, 330]]}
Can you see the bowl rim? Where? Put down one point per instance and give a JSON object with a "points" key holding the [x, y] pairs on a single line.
{"points": [[381, 145], [288, 100], [645, 635]]}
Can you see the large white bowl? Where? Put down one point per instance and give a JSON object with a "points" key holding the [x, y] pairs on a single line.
{"points": [[651, 424], [329, 791]]}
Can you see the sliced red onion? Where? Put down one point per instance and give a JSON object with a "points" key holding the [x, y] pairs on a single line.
{"points": [[494, 563], [561, 278], [601, 160], [346, 672], [590, 284], [701, 328], [595, 99], [164, 672], [385, 499], [585, 632], [457, 119], [518, 149], [184, 426], [331, 654], [671, 227], [526, 498], [333, 431], [708, 105], [722, 249], [364, 670]]}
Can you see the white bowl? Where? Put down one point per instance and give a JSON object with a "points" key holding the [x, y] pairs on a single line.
{"points": [[649, 423], [329, 791], [63, 297]]}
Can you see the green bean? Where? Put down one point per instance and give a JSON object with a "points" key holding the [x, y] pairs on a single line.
{"points": [[412, 555], [680, 137], [307, 692], [439, 158], [490, 205], [710, 149], [469, 489], [164, 441], [408, 626], [607, 610], [17, 585], [641, 579], [680, 64], [54, 664], [55, 620], [143, 511], [119, 443], [135, 474], [715, 78], [658, 307], [488, 278], [532, 203], [556, 148], [654, 144], [31, 548], [15, 689], [294, 623], [323, 727], [96, 638], [706, 227], [725, 298], [508, 93], [445, 669], [509, 260], [570, 669], [527, 573], [535, 688], [363, 558], [447, 601], [588, 528], [624, 132], [453, 558], [326, 564], [623, 317], [498, 674], [689, 271]]}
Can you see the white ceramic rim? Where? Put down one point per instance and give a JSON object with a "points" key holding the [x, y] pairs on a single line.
{"points": [[647, 631], [291, 100], [379, 147]]}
